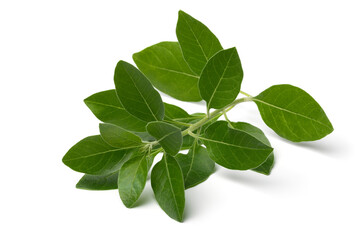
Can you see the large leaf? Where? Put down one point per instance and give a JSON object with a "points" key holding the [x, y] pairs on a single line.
{"points": [[292, 113], [168, 185], [165, 67], [167, 135], [221, 79], [266, 167], [98, 182], [136, 93], [132, 179], [93, 155], [107, 108], [196, 166], [197, 42], [118, 137], [234, 149]]}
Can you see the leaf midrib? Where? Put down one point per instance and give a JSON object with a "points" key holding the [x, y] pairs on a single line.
{"points": [[286, 110], [99, 153], [104, 104], [233, 145], [220, 80], [202, 50], [171, 187], [169, 70], [145, 101]]}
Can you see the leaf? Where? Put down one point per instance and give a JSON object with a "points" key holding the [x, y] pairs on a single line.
{"points": [[187, 142], [197, 42], [173, 112], [292, 113], [93, 155], [98, 182], [168, 185], [196, 166], [221, 79], [145, 136], [107, 108], [164, 65], [167, 135], [136, 93], [132, 179], [266, 167], [117, 137], [234, 149]]}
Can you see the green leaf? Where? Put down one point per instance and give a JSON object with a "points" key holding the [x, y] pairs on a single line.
{"points": [[93, 155], [197, 42], [173, 112], [292, 113], [234, 149], [168, 185], [117, 137], [167, 135], [98, 182], [132, 179], [266, 167], [107, 108], [221, 79], [165, 67], [136, 93], [196, 166], [187, 142], [145, 136]]}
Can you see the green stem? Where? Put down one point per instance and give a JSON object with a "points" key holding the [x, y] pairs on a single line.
{"points": [[227, 119], [214, 114], [246, 94]]}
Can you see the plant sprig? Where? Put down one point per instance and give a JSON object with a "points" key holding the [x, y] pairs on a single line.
{"points": [[138, 125]]}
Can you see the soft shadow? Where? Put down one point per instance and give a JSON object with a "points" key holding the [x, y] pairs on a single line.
{"points": [[330, 145], [273, 184], [145, 198]]}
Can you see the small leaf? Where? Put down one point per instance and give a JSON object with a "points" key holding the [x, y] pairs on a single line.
{"points": [[234, 149], [132, 179], [93, 155], [98, 182], [107, 108], [167, 135], [173, 112], [197, 42], [117, 137], [196, 166], [221, 79], [165, 67], [292, 113], [136, 93], [168, 185], [266, 167], [187, 142]]}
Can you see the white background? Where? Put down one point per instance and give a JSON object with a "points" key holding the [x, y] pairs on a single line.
{"points": [[53, 54]]}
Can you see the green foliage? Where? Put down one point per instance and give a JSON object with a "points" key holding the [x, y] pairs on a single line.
{"points": [[292, 113], [196, 165], [168, 136], [137, 125], [221, 78], [132, 179], [168, 185], [164, 61], [98, 182]]}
